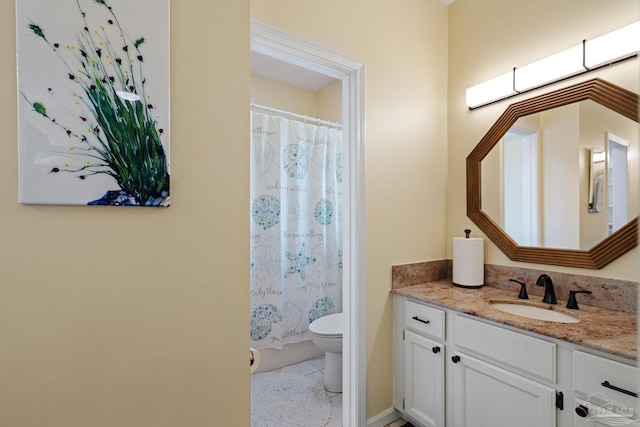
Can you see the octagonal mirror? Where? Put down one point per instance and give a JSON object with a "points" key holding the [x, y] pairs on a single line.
{"points": [[555, 179]]}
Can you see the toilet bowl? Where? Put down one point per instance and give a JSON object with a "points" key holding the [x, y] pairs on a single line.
{"points": [[326, 333]]}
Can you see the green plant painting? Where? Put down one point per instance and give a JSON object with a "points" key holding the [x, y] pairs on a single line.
{"points": [[87, 109]]}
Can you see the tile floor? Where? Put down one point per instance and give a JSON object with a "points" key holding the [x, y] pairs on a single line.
{"points": [[314, 369]]}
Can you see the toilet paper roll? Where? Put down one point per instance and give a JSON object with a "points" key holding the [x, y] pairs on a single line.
{"points": [[468, 261], [254, 360]]}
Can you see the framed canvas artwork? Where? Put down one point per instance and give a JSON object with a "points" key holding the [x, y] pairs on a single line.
{"points": [[93, 102]]}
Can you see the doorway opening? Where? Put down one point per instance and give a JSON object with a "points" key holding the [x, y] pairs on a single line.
{"points": [[520, 182], [298, 58], [617, 182]]}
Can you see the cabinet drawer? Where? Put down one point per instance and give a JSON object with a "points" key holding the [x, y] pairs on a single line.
{"points": [[605, 381], [589, 414], [424, 319], [528, 354]]}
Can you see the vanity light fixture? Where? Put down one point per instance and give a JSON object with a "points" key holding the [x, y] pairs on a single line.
{"points": [[552, 68], [590, 55]]}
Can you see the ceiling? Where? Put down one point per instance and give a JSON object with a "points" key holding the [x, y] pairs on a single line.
{"points": [[274, 69]]}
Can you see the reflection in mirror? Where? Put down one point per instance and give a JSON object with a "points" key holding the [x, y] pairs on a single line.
{"points": [[526, 159], [564, 178]]}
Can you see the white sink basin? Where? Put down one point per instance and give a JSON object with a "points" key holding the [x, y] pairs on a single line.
{"points": [[532, 312]]}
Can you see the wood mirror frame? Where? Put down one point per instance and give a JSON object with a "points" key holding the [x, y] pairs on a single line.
{"points": [[624, 239]]}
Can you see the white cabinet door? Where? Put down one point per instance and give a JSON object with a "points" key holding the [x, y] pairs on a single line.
{"points": [[424, 380], [488, 396]]}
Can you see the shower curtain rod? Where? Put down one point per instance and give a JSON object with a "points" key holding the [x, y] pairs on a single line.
{"points": [[300, 117]]}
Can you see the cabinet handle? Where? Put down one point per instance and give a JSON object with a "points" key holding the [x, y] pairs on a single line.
{"points": [[455, 359], [436, 349], [582, 411], [426, 322], [621, 390]]}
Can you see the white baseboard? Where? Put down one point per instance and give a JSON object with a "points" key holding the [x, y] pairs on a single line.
{"points": [[383, 418]]}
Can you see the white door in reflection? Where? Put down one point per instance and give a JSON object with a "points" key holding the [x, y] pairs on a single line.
{"points": [[520, 182], [618, 179]]}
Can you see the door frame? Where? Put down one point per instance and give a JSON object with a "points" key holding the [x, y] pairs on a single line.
{"points": [[613, 187], [285, 47]]}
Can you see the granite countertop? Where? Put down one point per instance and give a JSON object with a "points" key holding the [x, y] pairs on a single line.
{"points": [[609, 331]]}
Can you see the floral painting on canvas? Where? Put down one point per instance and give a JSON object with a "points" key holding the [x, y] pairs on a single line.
{"points": [[93, 102]]}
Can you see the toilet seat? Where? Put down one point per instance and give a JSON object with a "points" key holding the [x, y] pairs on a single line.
{"points": [[328, 326], [326, 334]]}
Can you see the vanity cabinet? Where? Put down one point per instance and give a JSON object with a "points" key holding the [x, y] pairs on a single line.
{"points": [[455, 370], [424, 380], [490, 388], [486, 395], [423, 361], [606, 392]]}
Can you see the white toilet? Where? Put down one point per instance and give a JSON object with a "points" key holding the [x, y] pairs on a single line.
{"points": [[326, 333]]}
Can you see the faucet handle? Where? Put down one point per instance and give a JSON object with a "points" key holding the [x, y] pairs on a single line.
{"points": [[573, 303], [523, 289]]}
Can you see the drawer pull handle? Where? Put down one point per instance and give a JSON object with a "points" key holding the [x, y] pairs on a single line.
{"points": [[455, 359], [426, 322], [435, 350], [621, 390]]}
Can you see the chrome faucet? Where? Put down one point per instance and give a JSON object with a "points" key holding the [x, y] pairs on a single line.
{"points": [[549, 293]]}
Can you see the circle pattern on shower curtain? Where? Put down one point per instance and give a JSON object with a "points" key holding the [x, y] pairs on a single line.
{"points": [[323, 213], [265, 262], [266, 211], [295, 161], [321, 308], [262, 319], [262, 158], [339, 167]]}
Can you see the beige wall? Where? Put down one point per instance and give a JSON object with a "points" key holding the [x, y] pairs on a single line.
{"points": [[120, 316], [274, 94], [330, 102], [403, 48], [323, 104], [489, 37], [560, 180]]}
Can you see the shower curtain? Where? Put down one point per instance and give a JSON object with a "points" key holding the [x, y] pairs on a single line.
{"points": [[296, 227]]}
